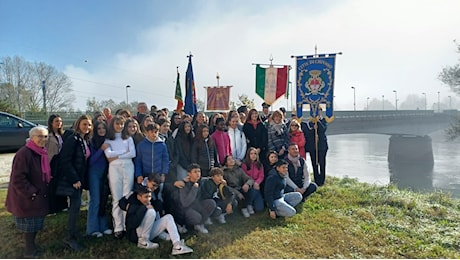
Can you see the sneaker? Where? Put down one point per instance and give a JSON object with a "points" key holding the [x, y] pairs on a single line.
{"points": [[251, 209], [221, 219], [201, 229], [164, 236], [181, 229], [208, 221], [181, 249], [118, 234], [245, 212], [142, 243], [107, 232], [96, 234]]}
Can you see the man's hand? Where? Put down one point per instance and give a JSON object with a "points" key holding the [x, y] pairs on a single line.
{"points": [[77, 185], [139, 179], [256, 186], [179, 184], [273, 214], [229, 208]]}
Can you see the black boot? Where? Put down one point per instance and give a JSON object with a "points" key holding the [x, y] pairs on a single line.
{"points": [[30, 250]]}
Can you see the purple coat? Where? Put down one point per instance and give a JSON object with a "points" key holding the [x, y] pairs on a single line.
{"points": [[26, 179]]}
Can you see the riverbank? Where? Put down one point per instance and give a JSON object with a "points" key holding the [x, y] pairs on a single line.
{"points": [[344, 219]]}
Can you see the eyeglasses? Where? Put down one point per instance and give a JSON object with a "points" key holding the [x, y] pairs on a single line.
{"points": [[41, 136]]}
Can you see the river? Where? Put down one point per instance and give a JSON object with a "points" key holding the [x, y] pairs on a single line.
{"points": [[365, 157]]}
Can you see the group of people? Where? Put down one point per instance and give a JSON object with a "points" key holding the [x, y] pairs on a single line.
{"points": [[163, 174]]}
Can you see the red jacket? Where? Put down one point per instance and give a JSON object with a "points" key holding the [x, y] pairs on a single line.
{"points": [[299, 138]]}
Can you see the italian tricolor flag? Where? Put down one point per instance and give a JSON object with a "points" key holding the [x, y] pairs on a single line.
{"points": [[271, 82]]}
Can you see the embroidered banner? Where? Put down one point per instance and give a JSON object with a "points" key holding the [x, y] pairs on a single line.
{"points": [[218, 98], [190, 94], [315, 85]]}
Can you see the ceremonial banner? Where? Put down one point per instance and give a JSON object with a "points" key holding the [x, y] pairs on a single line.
{"points": [[218, 98], [315, 84], [178, 95], [271, 82], [190, 93]]}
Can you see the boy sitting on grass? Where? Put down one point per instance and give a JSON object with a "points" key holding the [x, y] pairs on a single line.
{"points": [[141, 226], [216, 188]]}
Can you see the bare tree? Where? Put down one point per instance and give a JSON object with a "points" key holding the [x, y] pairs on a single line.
{"points": [[22, 86]]}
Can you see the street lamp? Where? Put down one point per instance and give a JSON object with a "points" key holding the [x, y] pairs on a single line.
{"points": [[383, 102], [367, 103], [354, 98], [425, 98], [127, 86], [450, 102], [396, 99], [439, 100]]}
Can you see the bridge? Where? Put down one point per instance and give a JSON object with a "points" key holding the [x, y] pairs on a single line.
{"points": [[390, 122]]}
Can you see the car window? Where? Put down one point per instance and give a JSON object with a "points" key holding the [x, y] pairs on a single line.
{"points": [[8, 122]]}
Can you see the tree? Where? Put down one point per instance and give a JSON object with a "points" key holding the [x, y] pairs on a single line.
{"points": [[22, 87], [450, 76]]}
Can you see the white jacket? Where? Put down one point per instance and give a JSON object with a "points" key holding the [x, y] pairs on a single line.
{"points": [[238, 143]]}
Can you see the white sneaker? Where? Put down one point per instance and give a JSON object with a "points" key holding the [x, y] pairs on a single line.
{"points": [[251, 209], [245, 212], [96, 234], [108, 232], [201, 229], [164, 236], [181, 229], [181, 249], [142, 243], [221, 218], [208, 221]]}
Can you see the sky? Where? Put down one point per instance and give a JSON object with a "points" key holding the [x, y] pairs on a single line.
{"points": [[105, 45]]}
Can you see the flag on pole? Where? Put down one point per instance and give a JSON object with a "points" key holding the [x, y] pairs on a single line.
{"points": [[271, 82], [218, 98], [178, 95], [190, 96]]}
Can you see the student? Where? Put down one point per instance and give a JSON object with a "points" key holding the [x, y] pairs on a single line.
{"points": [[152, 155], [254, 169], [204, 150], [183, 142], [141, 223], [278, 139], [187, 208], [239, 183], [216, 188], [96, 224], [74, 165], [221, 140], [238, 141], [120, 152], [133, 130], [279, 203]]}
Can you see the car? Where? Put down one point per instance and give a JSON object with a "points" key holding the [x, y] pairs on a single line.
{"points": [[14, 132]]}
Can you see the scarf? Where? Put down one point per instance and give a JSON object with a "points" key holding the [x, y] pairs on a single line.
{"points": [[46, 168], [294, 160], [278, 127]]}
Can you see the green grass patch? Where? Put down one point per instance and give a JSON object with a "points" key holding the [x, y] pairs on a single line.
{"points": [[343, 219]]}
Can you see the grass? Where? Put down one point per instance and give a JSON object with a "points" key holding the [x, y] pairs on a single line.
{"points": [[343, 219]]}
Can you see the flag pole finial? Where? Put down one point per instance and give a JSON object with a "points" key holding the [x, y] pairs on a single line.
{"points": [[217, 77], [316, 50], [177, 68], [189, 55], [271, 59]]}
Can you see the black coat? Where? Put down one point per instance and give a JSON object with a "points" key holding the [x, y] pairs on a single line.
{"points": [[73, 165], [134, 215], [257, 138], [309, 132]]}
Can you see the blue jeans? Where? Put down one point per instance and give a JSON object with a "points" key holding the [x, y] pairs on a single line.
{"points": [[285, 205], [254, 198], [96, 222], [310, 189]]}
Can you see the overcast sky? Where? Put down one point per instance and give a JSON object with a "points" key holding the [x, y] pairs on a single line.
{"points": [[105, 45]]}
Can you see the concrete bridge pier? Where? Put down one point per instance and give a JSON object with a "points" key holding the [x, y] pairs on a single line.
{"points": [[410, 149]]}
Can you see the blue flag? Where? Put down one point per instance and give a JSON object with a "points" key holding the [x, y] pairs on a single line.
{"points": [[315, 85], [190, 96]]}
